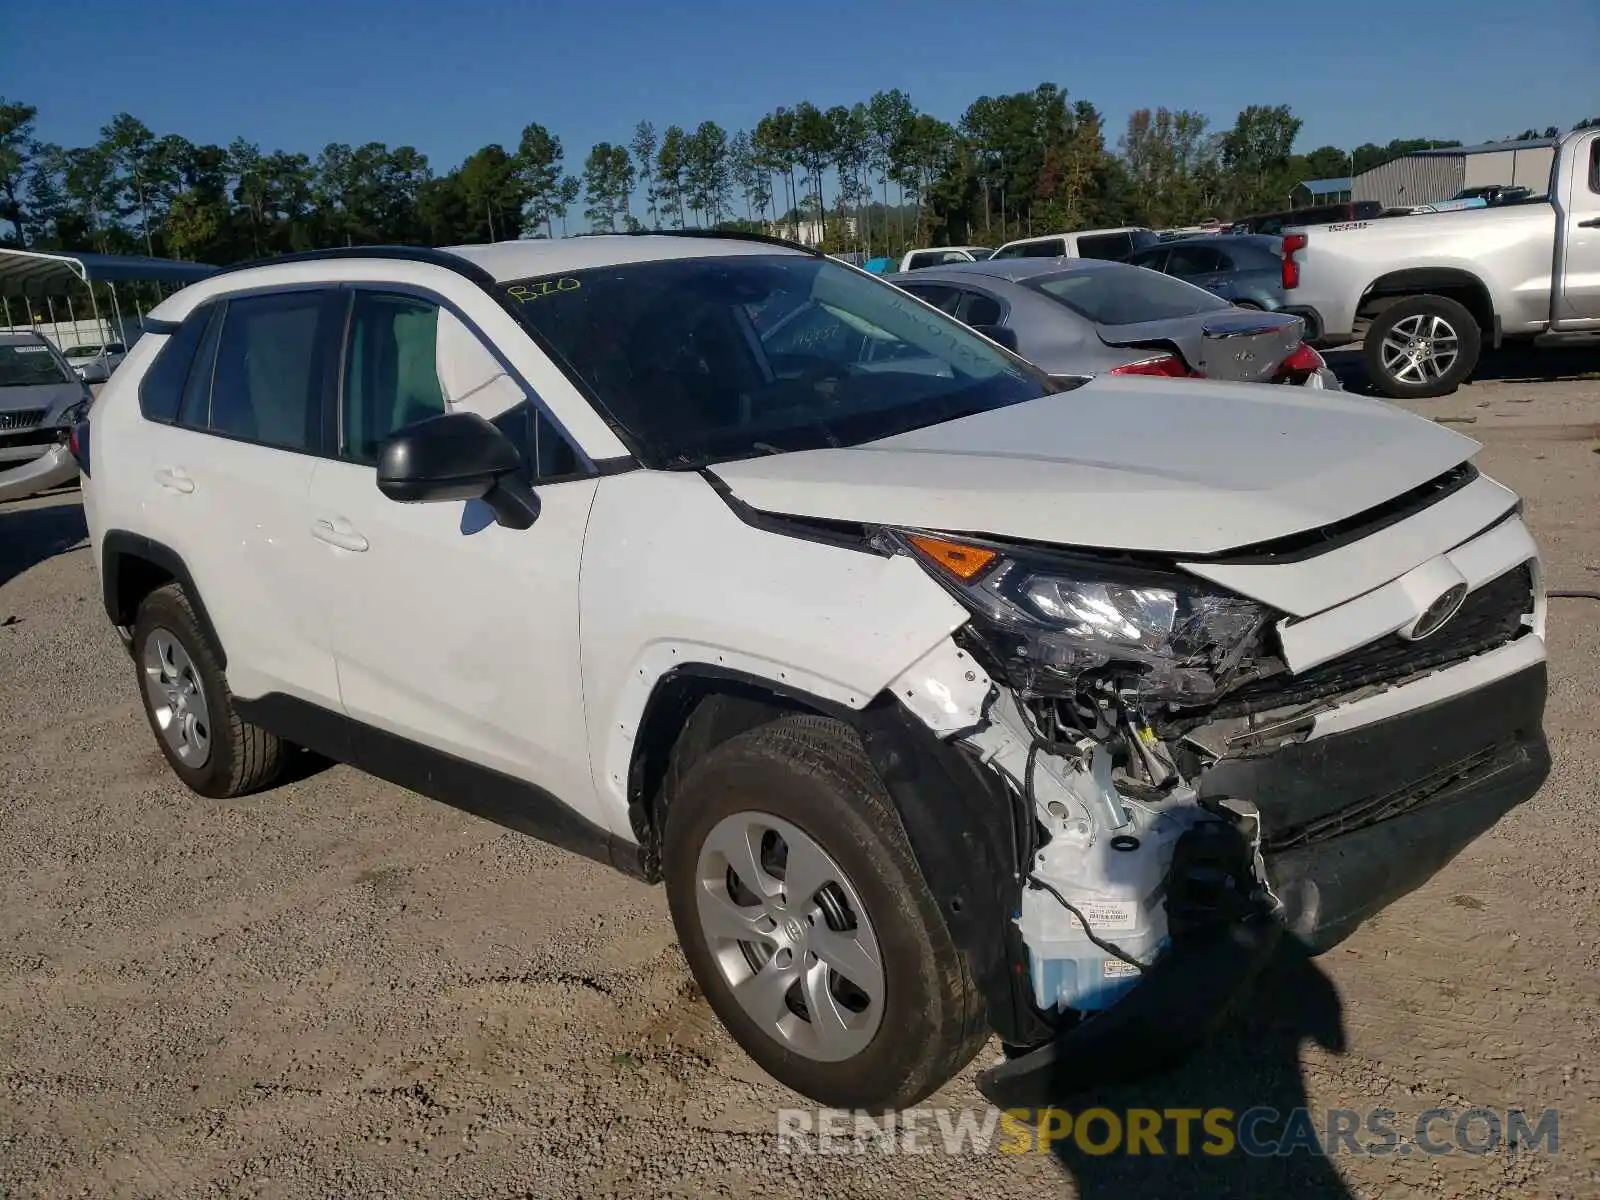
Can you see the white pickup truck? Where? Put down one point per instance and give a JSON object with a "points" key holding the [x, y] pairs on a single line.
{"points": [[1432, 290]]}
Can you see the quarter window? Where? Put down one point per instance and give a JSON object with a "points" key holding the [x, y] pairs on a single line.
{"points": [[391, 376], [161, 389], [195, 411], [941, 295], [547, 456], [267, 383]]}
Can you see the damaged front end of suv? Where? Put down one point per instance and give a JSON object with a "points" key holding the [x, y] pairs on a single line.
{"points": [[1131, 800]]}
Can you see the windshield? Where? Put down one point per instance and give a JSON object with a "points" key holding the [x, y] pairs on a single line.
{"points": [[1126, 295], [82, 351], [980, 253], [28, 365], [732, 356]]}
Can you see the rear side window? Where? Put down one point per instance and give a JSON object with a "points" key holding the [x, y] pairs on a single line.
{"points": [[1105, 245], [161, 389], [1043, 248], [1193, 260], [268, 380], [978, 308], [1126, 295], [925, 259]]}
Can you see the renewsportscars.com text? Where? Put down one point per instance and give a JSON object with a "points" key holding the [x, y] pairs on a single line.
{"points": [[1257, 1132]]}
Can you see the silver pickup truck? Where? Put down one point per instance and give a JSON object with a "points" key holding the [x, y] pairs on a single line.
{"points": [[1426, 293]]}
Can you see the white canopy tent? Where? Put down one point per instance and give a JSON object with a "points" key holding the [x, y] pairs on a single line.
{"points": [[33, 283]]}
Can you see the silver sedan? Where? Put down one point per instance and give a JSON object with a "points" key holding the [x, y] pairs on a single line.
{"points": [[1083, 316]]}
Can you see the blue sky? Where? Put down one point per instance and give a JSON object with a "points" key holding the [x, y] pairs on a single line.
{"points": [[450, 77]]}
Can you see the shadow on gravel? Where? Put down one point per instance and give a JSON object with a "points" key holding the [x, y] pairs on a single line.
{"points": [[29, 536], [1251, 1068], [1511, 364]]}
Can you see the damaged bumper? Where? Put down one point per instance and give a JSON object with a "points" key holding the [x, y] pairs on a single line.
{"points": [[1351, 823], [1355, 820], [54, 467], [1337, 826]]}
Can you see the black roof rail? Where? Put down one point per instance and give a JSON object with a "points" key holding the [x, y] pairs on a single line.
{"points": [[736, 235], [422, 254]]}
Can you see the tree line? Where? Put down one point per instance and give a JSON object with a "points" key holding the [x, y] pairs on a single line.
{"points": [[879, 176]]}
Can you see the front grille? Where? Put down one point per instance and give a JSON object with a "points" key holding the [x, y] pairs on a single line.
{"points": [[22, 418], [1491, 616]]}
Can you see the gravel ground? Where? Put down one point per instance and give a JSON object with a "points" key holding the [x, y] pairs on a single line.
{"points": [[339, 988]]}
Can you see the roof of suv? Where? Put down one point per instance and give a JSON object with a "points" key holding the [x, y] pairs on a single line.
{"points": [[520, 259], [497, 262]]}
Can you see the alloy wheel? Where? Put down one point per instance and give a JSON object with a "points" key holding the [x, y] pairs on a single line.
{"points": [[1420, 349]]}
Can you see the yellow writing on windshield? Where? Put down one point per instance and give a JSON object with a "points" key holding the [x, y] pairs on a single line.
{"points": [[533, 289]]}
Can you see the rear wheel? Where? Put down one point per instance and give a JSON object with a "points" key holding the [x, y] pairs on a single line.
{"points": [[807, 922], [1421, 346], [190, 709]]}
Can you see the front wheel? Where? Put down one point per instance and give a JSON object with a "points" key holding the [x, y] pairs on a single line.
{"points": [[1421, 346], [807, 923]]}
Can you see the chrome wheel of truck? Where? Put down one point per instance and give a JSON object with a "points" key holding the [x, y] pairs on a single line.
{"points": [[1421, 346]]}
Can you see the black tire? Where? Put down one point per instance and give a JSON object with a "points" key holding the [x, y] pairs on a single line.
{"points": [[813, 773], [1250, 304], [1469, 342], [243, 757]]}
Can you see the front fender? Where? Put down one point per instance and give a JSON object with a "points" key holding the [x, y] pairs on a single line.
{"points": [[673, 578]]}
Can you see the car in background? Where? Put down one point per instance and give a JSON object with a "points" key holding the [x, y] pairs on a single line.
{"points": [[94, 363], [41, 398], [1244, 268], [1074, 317], [1493, 194], [1086, 243], [938, 256]]}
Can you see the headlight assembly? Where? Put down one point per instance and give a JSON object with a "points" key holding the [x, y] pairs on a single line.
{"points": [[1051, 619]]}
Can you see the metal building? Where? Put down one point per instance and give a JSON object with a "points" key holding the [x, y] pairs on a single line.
{"points": [[1428, 176]]}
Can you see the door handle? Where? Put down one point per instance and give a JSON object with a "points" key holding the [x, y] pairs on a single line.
{"points": [[338, 532], [1591, 223], [175, 479]]}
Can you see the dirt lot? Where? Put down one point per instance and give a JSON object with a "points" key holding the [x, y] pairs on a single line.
{"points": [[338, 988]]}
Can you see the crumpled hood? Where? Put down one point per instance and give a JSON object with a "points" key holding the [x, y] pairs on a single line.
{"points": [[1183, 466]]}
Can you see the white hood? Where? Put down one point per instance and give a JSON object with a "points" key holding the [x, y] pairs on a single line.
{"points": [[1184, 466]]}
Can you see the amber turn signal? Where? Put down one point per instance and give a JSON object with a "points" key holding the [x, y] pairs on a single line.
{"points": [[961, 561]]}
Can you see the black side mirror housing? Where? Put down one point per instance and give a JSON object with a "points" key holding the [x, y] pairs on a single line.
{"points": [[999, 333], [453, 457]]}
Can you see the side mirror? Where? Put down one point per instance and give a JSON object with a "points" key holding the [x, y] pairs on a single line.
{"points": [[999, 333], [456, 456]]}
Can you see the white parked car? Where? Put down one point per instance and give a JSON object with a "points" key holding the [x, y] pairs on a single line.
{"points": [[1115, 244], [95, 363], [942, 256], [944, 697]]}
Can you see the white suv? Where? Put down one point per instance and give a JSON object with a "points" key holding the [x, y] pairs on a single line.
{"points": [[946, 698]]}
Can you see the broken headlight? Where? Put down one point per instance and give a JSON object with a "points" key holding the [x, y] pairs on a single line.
{"points": [[1052, 621]]}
